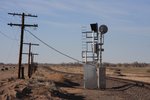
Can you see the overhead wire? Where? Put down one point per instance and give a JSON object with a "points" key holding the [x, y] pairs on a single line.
{"points": [[68, 56], [3, 19], [10, 51], [8, 36], [18, 4]]}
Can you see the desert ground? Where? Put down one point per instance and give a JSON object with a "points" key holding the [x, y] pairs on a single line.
{"points": [[65, 82]]}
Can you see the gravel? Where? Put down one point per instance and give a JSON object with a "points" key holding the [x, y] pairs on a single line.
{"points": [[118, 91]]}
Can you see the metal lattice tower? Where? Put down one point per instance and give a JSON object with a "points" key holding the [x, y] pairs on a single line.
{"points": [[94, 71], [89, 46]]}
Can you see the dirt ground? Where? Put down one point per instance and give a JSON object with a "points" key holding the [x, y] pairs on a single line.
{"points": [[66, 83]]}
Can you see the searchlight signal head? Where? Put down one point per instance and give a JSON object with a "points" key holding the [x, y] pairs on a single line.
{"points": [[94, 27], [103, 29]]}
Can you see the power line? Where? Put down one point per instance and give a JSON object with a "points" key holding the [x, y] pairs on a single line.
{"points": [[11, 47], [53, 47], [10, 52], [16, 3], [8, 36], [2, 19]]}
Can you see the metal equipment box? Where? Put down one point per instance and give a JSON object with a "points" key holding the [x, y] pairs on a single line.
{"points": [[90, 76]]}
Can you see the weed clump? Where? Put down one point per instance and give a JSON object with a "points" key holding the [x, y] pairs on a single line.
{"points": [[6, 68], [148, 70]]}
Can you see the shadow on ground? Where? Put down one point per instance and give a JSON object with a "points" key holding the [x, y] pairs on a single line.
{"points": [[122, 87], [127, 86], [68, 96], [67, 83]]}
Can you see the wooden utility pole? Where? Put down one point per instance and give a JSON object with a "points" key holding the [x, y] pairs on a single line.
{"points": [[23, 25], [33, 65], [30, 57]]}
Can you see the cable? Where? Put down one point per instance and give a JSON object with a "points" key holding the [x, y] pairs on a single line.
{"points": [[11, 47], [2, 19], [16, 3], [53, 47], [8, 36], [10, 52], [57, 50]]}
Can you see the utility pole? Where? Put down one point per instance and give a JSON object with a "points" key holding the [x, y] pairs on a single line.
{"points": [[30, 57], [23, 25], [34, 65]]}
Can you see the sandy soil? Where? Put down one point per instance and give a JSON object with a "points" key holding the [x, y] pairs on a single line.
{"points": [[66, 83], [138, 74]]}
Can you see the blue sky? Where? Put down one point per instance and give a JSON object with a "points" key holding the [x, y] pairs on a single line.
{"points": [[60, 22]]}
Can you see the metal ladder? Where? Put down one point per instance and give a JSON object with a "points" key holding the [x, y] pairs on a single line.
{"points": [[88, 40]]}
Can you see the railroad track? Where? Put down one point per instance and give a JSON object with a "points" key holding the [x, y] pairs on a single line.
{"points": [[126, 81], [53, 70], [129, 81]]}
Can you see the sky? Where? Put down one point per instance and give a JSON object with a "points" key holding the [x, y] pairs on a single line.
{"points": [[60, 23]]}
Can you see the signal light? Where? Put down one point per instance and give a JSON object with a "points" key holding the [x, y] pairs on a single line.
{"points": [[94, 27], [103, 29]]}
